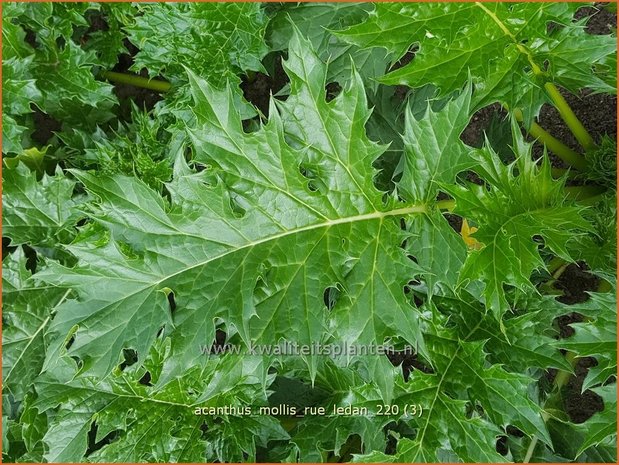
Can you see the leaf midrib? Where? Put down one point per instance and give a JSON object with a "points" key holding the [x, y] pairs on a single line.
{"points": [[376, 215]]}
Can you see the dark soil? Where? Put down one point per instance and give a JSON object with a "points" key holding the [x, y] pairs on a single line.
{"points": [[575, 282], [44, 125], [409, 363], [258, 88], [580, 406], [473, 135], [601, 22]]}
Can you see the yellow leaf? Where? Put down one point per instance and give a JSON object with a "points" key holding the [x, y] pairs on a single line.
{"points": [[466, 232]]}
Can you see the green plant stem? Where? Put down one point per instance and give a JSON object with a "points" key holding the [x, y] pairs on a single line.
{"points": [[555, 269], [557, 147], [446, 204], [560, 172], [561, 378], [604, 286], [583, 192], [137, 81], [579, 131], [556, 265]]}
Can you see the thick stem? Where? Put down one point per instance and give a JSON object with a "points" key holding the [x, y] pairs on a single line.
{"points": [[137, 81], [579, 131], [583, 192], [604, 286], [557, 147], [560, 172], [555, 265], [446, 204]]}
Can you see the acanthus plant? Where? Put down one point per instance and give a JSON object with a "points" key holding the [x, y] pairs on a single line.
{"points": [[136, 238]]}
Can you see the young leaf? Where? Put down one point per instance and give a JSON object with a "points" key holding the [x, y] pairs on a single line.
{"points": [[519, 202], [434, 153], [38, 213], [215, 40]]}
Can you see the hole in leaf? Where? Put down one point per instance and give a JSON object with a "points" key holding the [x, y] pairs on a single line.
{"points": [[501, 445], [130, 358], [128, 250], [31, 37], [330, 296], [60, 43], [219, 346], [145, 380], [6, 247], [474, 410], [172, 301], [513, 431], [70, 342], [332, 89], [406, 59], [93, 445], [31, 258], [353, 445], [310, 175], [454, 221], [199, 167], [409, 361], [257, 86], [236, 207], [78, 361]]}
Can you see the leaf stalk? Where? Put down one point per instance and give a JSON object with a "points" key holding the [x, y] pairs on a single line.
{"points": [[573, 123], [137, 81], [557, 147]]}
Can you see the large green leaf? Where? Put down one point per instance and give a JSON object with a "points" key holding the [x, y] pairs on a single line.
{"points": [[465, 401], [128, 410], [494, 43], [434, 152], [255, 247], [216, 41]]}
